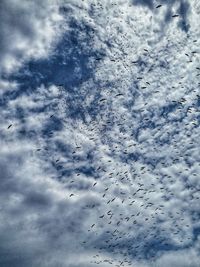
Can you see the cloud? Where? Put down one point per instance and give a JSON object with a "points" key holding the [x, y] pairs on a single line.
{"points": [[28, 31], [99, 136], [148, 3]]}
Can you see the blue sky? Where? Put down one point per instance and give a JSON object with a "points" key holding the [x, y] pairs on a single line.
{"points": [[99, 133]]}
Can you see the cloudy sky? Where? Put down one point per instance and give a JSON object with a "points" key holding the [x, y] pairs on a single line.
{"points": [[99, 133]]}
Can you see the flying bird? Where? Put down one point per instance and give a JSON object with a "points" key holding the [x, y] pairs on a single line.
{"points": [[158, 6], [9, 126]]}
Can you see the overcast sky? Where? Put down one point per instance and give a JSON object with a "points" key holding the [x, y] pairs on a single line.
{"points": [[99, 133]]}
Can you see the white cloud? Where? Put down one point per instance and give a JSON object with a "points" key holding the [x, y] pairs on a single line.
{"points": [[132, 158], [28, 30]]}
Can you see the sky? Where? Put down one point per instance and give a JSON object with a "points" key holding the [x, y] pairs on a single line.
{"points": [[99, 133]]}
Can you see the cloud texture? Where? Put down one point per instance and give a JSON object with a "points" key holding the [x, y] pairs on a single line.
{"points": [[99, 133]]}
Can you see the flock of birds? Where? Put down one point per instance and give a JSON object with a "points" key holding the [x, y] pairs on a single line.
{"points": [[128, 193], [128, 198], [133, 203]]}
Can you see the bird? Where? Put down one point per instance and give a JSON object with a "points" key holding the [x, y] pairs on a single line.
{"points": [[9, 126], [158, 6]]}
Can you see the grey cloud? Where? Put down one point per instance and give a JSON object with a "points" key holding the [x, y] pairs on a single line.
{"points": [[184, 12], [148, 3]]}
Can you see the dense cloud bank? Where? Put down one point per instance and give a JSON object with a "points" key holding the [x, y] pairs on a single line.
{"points": [[99, 133]]}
